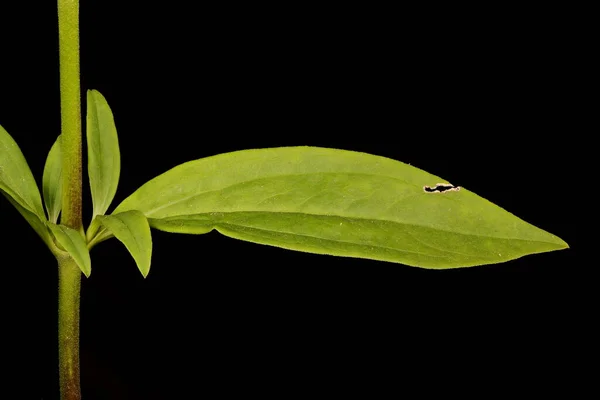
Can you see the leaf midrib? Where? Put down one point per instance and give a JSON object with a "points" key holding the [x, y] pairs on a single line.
{"points": [[184, 216], [98, 194]]}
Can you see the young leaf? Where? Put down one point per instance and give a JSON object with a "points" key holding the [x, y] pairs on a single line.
{"points": [[133, 230], [52, 182], [337, 202], [36, 223], [73, 242], [104, 163], [16, 179]]}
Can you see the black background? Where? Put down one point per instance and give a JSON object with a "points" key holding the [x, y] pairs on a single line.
{"points": [[475, 96]]}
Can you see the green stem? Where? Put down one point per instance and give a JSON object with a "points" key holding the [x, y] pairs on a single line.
{"points": [[69, 287], [69, 282], [70, 109]]}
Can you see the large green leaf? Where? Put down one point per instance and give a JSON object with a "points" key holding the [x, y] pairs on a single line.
{"points": [[133, 230], [16, 179], [74, 243], [337, 202], [104, 162], [52, 182]]}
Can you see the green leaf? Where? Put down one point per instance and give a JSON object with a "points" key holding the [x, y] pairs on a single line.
{"points": [[52, 182], [36, 223], [74, 243], [133, 230], [337, 202], [18, 186], [104, 163], [16, 179]]}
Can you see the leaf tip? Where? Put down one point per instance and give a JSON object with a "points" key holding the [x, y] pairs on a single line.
{"points": [[144, 271], [557, 242], [93, 93], [563, 245]]}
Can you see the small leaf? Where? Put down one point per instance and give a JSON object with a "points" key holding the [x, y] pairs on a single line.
{"points": [[16, 179], [337, 202], [36, 223], [133, 230], [104, 163], [18, 186], [73, 242], [52, 182]]}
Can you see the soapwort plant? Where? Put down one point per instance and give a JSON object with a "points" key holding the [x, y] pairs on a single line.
{"points": [[310, 199]]}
